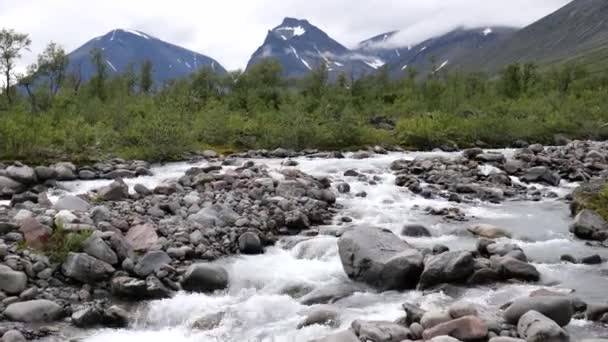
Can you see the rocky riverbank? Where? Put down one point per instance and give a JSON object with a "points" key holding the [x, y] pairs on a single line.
{"points": [[76, 257]]}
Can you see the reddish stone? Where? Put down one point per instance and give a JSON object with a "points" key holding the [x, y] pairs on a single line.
{"points": [[465, 328], [35, 233], [142, 237]]}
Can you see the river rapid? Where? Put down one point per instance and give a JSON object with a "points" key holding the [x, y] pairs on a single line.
{"points": [[257, 306]]}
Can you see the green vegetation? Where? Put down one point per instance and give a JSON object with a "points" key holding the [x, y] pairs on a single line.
{"points": [[598, 202], [62, 242], [59, 116]]}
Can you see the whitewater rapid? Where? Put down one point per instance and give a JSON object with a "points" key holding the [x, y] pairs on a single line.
{"points": [[257, 306]]}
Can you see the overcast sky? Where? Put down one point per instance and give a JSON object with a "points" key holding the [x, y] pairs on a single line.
{"points": [[231, 30]]}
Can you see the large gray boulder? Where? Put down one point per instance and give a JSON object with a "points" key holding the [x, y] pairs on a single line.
{"points": [[379, 258], [142, 237], [96, 247], [13, 336], [447, 267], [535, 327], [44, 173], [511, 268], [381, 331], [557, 308], [118, 190], [12, 282], [9, 186], [323, 315], [342, 336], [71, 202], [205, 277], [85, 268], [151, 262], [250, 243], [136, 289], [541, 174], [22, 174], [34, 311], [589, 225], [65, 171]]}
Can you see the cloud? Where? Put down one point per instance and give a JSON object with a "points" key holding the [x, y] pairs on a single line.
{"points": [[231, 30]]}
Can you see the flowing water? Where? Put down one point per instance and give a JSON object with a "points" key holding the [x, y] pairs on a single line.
{"points": [[257, 308]]}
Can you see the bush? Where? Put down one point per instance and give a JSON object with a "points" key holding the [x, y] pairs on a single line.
{"points": [[63, 242]]}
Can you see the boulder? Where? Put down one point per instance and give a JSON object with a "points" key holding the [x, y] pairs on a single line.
{"points": [[137, 289], [447, 268], [151, 262], [342, 336], [511, 268], [465, 329], [118, 190], [208, 322], [204, 277], [322, 316], [87, 317], [8, 186], [535, 327], [142, 190], [22, 174], [491, 157], [115, 317], [34, 311], [250, 243], [434, 317], [557, 308], [506, 339], [36, 234], [96, 247], [541, 174], [413, 313], [12, 282], [328, 294], [589, 225], [489, 231], [142, 237], [65, 171], [71, 202], [85, 268], [13, 336], [380, 331], [379, 258], [101, 213], [415, 230], [45, 173]]}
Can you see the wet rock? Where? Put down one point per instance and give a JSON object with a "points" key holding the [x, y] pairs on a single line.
{"points": [[208, 322], [535, 327], [415, 230], [101, 213], [87, 317], [328, 294], [379, 258], [205, 277], [142, 190], [85, 268], [380, 331], [511, 268], [87, 174], [70, 202], [9, 187], [115, 317], [465, 329], [413, 313], [447, 268], [541, 174], [96, 247], [249, 243], [434, 317], [361, 155], [592, 260], [491, 157], [461, 309], [22, 174], [471, 153], [151, 262], [343, 336], [36, 235], [506, 339], [321, 316], [13, 336], [489, 231], [44, 173], [568, 258], [65, 171], [557, 308], [12, 282], [343, 188], [34, 311], [142, 237], [588, 225], [118, 190]]}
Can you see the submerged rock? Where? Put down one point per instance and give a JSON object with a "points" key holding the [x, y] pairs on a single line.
{"points": [[447, 268], [557, 308]]}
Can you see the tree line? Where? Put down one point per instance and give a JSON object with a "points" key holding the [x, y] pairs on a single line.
{"points": [[50, 112]]}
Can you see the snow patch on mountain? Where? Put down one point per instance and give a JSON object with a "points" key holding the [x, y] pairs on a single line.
{"points": [[487, 31]]}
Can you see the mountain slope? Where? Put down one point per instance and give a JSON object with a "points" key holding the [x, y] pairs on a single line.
{"points": [[301, 47], [577, 30], [122, 47], [434, 53]]}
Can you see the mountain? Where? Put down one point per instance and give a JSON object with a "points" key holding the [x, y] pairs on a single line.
{"points": [[121, 47], [577, 31], [301, 47], [444, 50]]}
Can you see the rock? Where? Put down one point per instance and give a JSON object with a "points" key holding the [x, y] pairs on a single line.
{"points": [[461, 309], [22, 174], [568, 258], [321, 316], [328, 294], [540, 174], [70, 202], [415, 230], [86, 174], [413, 313], [136, 289], [443, 339], [511, 268], [592, 260], [505, 339], [12, 282], [87, 317], [535, 327], [115, 317], [142, 190], [151, 262], [36, 234], [208, 322], [489, 231], [34, 311], [447, 268], [361, 155], [142, 237], [536, 148], [65, 171], [249, 243], [588, 225], [96, 247], [465, 329], [8, 186], [118, 190], [380, 331], [13, 336], [85, 268], [343, 336], [491, 157], [343, 188], [471, 153], [556, 308], [45, 173], [379, 258], [101, 214], [205, 277], [435, 317]]}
